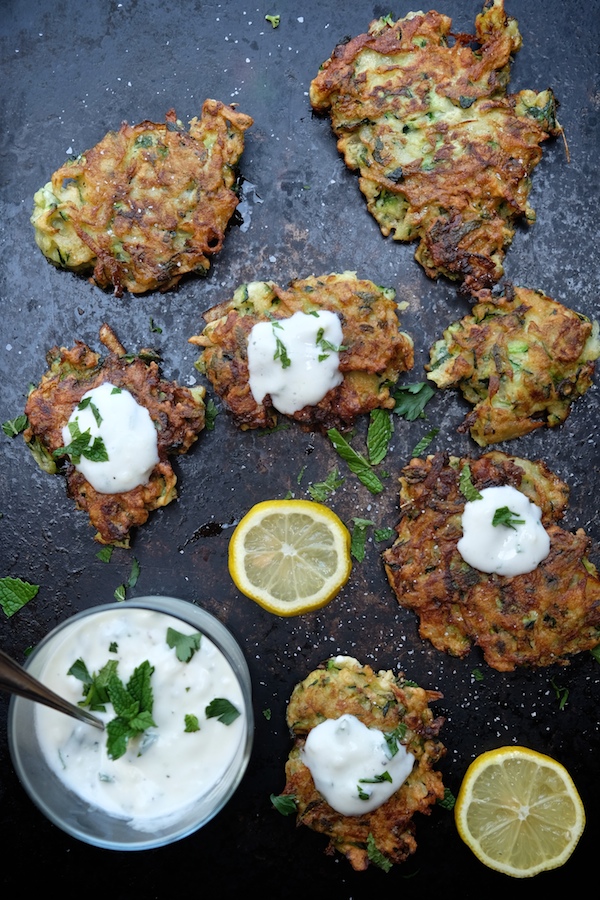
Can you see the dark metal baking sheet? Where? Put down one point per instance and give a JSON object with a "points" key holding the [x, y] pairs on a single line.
{"points": [[70, 71]]}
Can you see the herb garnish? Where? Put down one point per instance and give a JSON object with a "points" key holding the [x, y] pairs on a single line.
{"points": [[274, 20], [356, 463], [191, 723], [379, 434], [466, 486], [223, 710], [280, 348], [284, 803], [12, 427], [411, 400], [425, 442], [320, 490], [359, 537], [376, 856], [505, 516], [132, 703], [393, 738], [185, 645], [80, 446], [15, 593], [377, 779]]}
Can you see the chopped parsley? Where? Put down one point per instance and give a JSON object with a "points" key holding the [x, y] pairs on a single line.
{"points": [[185, 645], [223, 710], [12, 427], [191, 723], [411, 400]]}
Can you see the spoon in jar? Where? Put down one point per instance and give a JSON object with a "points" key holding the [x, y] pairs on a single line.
{"points": [[15, 679]]}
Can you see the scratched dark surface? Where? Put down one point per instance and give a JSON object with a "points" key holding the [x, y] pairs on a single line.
{"points": [[71, 71]]}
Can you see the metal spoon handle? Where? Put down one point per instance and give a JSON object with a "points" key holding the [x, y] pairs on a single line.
{"points": [[15, 679]]}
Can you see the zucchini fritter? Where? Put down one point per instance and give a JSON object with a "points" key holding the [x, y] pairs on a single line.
{"points": [[379, 700], [374, 352], [148, 204], [522, 359], [536, 619], [444, 153], [177, 413]]}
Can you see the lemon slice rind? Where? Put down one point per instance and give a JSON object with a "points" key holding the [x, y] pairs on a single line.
{"points": [[519, 811], [290, 556]]}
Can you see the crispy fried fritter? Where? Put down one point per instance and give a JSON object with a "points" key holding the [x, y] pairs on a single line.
{"points": [[374, 352], [522, 359], [148, 204], [444, 153], [379, 700], [177, 412], [535, 619]]}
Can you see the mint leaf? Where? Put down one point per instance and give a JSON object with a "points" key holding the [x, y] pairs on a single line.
{"points": [[357, 464], [376, 856], [359, 537], [284, 803], [425, 442], [210, 414], [466, 487], [321, 490], [384, 534], [223, 710], [379, 435], [15, 593], [185, 645]]}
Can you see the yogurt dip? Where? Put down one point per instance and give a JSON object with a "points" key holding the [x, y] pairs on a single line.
{"points": [[514, 545], [173, 763], [296, 360]]}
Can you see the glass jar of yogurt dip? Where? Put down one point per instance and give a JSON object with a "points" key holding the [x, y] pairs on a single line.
{"points": [[162, 768]]}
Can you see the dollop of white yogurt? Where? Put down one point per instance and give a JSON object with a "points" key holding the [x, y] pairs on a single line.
{"points": [[127, 432], [296, 360], [352, 765], [503, 549]]}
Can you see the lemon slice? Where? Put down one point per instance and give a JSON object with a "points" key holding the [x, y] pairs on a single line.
{"points": [[519, 811], [290, 556]]}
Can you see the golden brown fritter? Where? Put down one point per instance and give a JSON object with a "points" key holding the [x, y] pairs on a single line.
{"points": [[374, 352], [379, 700], [177, 413], [148, 204], [444, 153], [522, 359], [536, 619]]}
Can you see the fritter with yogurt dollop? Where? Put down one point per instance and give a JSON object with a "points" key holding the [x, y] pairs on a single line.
{"points": [[534, 619], [521, 359], [148, 204], [393, 705], [373, 353], [178, 414], [444, 153]]}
